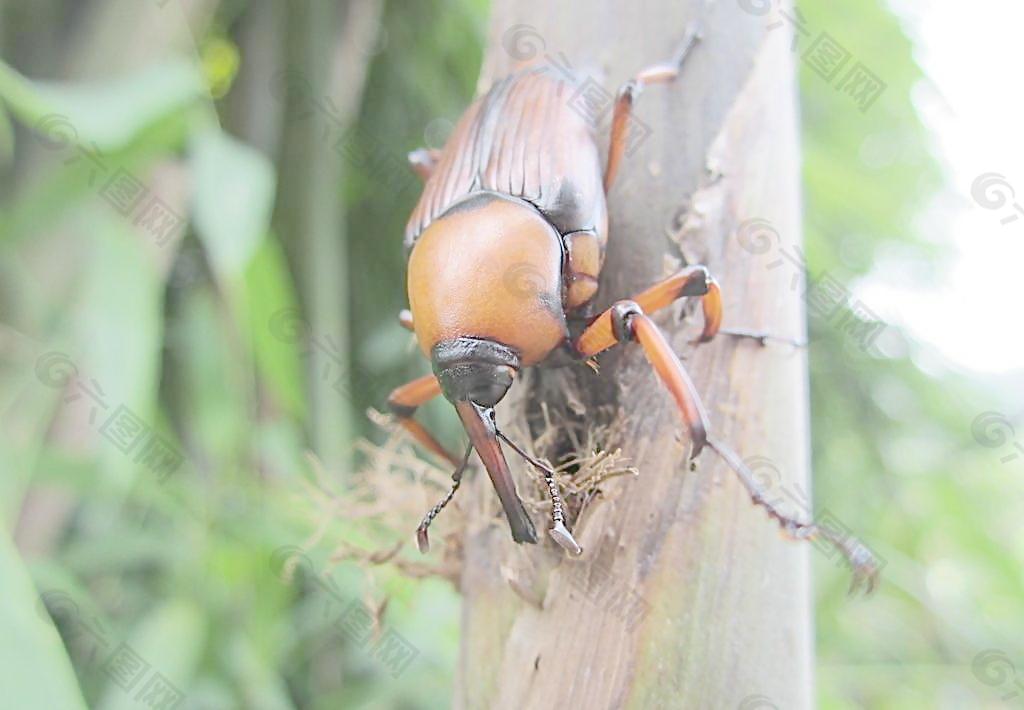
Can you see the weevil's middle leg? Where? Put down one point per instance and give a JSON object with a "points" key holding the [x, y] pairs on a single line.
{"points": [[629, 322], [690, 281], [655, 74]]}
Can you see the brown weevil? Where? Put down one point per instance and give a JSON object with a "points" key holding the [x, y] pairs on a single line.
{"points": [[519, 185]]}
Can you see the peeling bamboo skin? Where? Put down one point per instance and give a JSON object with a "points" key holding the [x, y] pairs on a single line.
{"points": [[724, 601]]}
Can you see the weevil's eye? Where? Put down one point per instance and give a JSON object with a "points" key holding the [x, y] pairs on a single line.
{"points": [[490, 387], [474, 370]]}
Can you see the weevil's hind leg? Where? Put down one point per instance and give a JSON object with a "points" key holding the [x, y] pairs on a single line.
{"points": [[631, 90], [630, 322], [422, 539], [405, 319], [423, 161], [403, 403], [864, 565]]}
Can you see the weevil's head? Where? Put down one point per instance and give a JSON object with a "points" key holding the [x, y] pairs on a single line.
{"points": [[474, 370], [485, 290]]}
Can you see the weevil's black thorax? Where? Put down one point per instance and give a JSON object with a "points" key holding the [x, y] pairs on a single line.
{"points": [[474, 370]]}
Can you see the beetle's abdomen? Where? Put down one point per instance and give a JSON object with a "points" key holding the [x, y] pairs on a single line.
{"points": [[489, 268]]}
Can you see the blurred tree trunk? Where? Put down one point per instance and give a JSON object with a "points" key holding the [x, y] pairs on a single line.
{"points": [[327, 62], [686, 595]]}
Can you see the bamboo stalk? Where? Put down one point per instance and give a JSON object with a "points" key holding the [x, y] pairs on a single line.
{"points": [[686, 595]]}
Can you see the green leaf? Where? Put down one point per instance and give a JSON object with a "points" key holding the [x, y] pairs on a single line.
{"points": [[118, 327], [107, 114], [234, 195], [170, 641], [34, 668], [6, 137], [273, 311]]}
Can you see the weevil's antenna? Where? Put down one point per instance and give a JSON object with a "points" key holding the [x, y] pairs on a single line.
{"points": [[558, 532], [422, 540], [864, 565]]}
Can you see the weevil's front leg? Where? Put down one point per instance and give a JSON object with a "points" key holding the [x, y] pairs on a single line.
{"points": [[405, 319], [629, 322], [656, 74], [422, 539], [403, 403], [691, 281], [423, 161]]}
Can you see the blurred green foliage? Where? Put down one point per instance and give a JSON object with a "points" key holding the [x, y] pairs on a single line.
{"points": [[197, 338], [894, 454]]}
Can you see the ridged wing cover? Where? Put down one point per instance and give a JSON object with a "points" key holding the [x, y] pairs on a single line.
{"points": [[523, 138]]}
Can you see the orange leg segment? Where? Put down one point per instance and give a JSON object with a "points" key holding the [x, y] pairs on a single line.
{"points": [[691, 281], [403, 402], [630, 91], [675, 378]]}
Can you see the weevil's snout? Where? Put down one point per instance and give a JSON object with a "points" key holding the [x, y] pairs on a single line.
{"points": [[475, 374], [474, 370]]}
